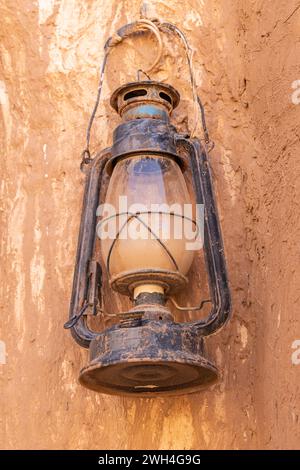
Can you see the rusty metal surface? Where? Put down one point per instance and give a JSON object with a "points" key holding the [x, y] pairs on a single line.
{"points": [[150, 298], [85, 248], [144, 137], [145, 126], [153, 358], [213, 244], [155, 93]]}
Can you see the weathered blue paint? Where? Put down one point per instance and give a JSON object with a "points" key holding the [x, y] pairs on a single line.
{"points": [[142, 111]]}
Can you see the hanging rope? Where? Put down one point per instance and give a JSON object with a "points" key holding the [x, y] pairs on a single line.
{"points": [[155, 27]]}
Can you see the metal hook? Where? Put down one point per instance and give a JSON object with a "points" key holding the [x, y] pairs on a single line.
{"points": [[139, 75]]}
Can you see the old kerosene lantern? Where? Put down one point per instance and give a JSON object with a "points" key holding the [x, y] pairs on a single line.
{"points": [[146, 352]]}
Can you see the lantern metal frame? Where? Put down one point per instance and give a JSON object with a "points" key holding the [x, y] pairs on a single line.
{"points": [[88, 273], [147, 353], [183, 343]]}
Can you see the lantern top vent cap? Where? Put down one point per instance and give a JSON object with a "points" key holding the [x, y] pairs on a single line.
{"points": [[143, 92]]}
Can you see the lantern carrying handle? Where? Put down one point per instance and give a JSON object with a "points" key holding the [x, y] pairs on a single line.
{"points": [[156, 27], [121, 34], [213, 245]]}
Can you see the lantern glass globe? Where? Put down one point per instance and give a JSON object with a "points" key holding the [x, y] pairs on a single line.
{"points": [[150, 229]]}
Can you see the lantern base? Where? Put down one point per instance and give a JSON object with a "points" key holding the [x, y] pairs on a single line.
{"points": [[153, 359]]}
